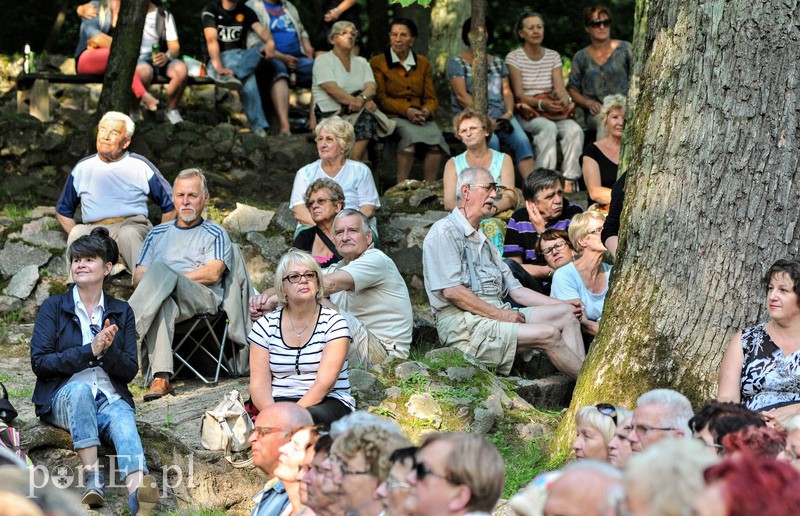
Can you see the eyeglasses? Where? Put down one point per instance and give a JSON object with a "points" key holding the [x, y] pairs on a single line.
{"points": [[470, 129], [547, 251], [295, 276], [644, 429], [321, 202], [396, 484], [710, 445], [339, 462], [261, 431], [597, 23], [607, 409], [489, 187], [422, 471], [353, 33], [595, 231]]}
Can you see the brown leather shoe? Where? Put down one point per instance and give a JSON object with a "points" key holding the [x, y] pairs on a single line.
{"points": [[158, 389]]}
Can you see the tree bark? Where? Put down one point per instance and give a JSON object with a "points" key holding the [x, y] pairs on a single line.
{"points": [[477, 41], [711, 196], [116, 94]]}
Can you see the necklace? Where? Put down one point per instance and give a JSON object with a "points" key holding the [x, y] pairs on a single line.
{"points": [[294, 328]]}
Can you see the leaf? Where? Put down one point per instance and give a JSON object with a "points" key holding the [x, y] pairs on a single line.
{"points": [[406, 3]]}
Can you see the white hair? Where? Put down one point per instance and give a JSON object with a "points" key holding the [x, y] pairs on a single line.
{"points": [[467, 177], [116, 116], [677, 408]]}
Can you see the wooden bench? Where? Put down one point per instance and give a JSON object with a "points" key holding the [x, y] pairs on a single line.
{"points": [[33, 89]]}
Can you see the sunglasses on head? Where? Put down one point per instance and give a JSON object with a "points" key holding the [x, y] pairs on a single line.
{"points": [[607, 409]]}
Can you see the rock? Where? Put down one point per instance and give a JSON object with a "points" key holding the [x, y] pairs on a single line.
{"points": [[390, 234], [284, 218], [421, 196], [393, 392], [406, 370], [247, 218], [462, 412], [498, 389], [9, 304], [483, 422], [56, 267], [16, 255], [460, 374], [416, 237], [528, 431], [54, 138], [406, 222], [272, 248], [23, 282], [552, 392], [408, 260], [366, 388], [42, 232], [423, 406], [42, 211], [494, 405]]}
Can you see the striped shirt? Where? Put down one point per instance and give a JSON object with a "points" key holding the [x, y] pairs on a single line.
{"points": [[537, 76], [294, 370]]}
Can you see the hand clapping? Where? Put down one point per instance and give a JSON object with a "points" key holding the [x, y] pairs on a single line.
{"points": [[104, 338]]}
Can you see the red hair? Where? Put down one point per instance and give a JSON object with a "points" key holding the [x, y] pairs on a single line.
{"points": [[763, 441], [753, 485]]}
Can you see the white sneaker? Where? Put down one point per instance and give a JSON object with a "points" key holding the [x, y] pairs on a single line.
{"points": [[228, 81], [260, 132], [174, 116]]}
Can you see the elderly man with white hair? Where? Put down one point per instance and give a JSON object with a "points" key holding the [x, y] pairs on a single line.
{"points": [[659, 414], [467, 281], [588, 488]]}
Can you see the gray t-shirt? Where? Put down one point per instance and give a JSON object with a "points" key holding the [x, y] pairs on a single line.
{"points": [[186, 249]]}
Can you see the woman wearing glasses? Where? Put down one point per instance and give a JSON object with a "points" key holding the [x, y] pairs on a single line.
{"points": [[603, 68], [83, 352], [335, 139], [594, 429], [585, 278], [343, 84], [324, 199], [299, 350]]}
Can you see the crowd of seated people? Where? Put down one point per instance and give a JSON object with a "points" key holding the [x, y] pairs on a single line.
{"points": [[315, 323]]}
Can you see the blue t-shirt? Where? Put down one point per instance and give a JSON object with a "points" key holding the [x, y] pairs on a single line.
{"points": [[567, 284], [283, 30]]}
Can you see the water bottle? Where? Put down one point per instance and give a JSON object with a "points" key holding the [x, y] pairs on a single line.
{"points": [[156, 51], [28, 65]]}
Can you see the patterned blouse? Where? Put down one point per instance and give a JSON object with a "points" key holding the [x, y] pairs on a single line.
{"points": [[769, 378]]}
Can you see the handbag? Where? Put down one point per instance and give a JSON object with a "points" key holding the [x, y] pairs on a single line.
{"points": [[226, 428], [528, 112]]}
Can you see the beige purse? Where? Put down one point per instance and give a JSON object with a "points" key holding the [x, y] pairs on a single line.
{"points": [[226, 428]]}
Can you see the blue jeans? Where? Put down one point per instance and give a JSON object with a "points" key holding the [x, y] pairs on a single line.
{"points": [[517, 140], [243, 62], [275, 69], [88, 418]]}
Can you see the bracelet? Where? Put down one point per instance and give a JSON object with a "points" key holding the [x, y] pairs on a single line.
{"points": [[508, 113], [169, 56], [337, 11], [540, 104]]}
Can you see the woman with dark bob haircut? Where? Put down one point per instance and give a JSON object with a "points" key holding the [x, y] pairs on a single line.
{"points": [[84, 353], [762, 363]]}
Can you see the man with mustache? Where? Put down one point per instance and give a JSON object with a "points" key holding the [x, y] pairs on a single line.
{"points": [[178, 275], [545, 208], [467, 299]]}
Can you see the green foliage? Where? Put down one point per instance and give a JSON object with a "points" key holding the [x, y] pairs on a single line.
{"points": [[14, 211], [524, 459], [414, 384], [406, 3]]}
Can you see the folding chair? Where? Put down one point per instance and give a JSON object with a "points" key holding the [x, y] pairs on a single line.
{"points": [[201, 333]]}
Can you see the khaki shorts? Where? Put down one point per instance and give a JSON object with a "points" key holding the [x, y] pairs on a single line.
{"points": [[491, 342]]}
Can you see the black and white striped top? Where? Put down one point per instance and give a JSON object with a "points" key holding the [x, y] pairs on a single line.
{"points": [[294, 370]]}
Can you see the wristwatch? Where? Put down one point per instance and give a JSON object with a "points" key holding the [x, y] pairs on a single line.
{"points": [[364, 97]]}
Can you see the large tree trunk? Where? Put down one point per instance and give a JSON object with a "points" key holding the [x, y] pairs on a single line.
{"points": [[712, 196], [116, 95]]}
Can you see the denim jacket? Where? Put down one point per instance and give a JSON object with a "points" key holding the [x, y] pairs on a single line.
{"points": [[57, 350]]}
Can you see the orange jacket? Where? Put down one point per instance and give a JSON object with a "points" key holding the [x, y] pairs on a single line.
{"points": [[399, 90]]}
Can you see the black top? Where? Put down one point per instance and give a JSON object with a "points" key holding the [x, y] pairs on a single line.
{"points": [[232, 26], [608, 169], [305, 242], [611, 225]]}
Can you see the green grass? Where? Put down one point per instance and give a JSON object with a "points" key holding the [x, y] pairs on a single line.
{"points": [[524, 459], [414, 384], [12, 210]]}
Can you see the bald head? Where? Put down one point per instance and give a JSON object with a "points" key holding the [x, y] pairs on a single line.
{"points": [[588, 488], [274, 425]]}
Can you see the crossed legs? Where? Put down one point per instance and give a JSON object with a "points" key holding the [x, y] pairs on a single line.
{"points": [[555, 330]]}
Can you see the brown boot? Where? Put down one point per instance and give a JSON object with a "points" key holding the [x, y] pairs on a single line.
{"points": [[158, 389]]}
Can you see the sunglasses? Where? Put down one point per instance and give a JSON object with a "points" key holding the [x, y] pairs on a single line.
{"points": [[422, 471], [597, 23], [607, 409]]}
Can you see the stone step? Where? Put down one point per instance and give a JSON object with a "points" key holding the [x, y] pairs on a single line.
{"points": [[552, 392]]}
